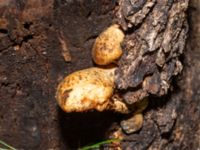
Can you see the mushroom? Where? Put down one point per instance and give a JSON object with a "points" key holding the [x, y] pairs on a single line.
{"points": [[107, 47], [89, 89], [94, 88], [135, 122]]}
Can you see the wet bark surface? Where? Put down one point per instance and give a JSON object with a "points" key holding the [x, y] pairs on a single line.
{"points": [[43, 41]]}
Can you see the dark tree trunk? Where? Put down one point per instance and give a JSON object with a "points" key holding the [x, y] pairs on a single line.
{"points": [[42, 41]]}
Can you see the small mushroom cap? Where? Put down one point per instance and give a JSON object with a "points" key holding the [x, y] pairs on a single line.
{"points": [[133, 124], [107, 47], [86, 89]]}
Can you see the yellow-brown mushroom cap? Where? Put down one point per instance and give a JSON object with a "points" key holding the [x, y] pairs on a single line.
{"points": [[85, 90], [107, 47]]}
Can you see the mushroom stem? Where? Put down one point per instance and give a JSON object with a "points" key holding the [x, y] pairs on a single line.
{"points": [[117, 105]]}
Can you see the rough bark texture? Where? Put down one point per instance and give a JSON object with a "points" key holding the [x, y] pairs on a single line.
{"points": [[152, 47], [43, 41]]}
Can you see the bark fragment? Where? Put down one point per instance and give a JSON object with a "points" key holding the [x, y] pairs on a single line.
{"points": [[152, 47]]}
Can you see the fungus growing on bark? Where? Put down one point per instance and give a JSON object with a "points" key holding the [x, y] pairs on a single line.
{"points": [[94, 88], [88, 89], [107, 47]]}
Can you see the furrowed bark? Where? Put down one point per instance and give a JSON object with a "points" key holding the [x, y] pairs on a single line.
{"points": [[42, 42]]}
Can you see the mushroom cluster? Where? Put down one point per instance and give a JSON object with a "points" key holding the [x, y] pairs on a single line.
{"points": [[94, 88]]}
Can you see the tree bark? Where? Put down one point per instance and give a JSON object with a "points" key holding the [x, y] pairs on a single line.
{"points": [[43, 41]]}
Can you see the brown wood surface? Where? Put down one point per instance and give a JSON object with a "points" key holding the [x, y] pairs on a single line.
{"points": [[43, 41]]}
